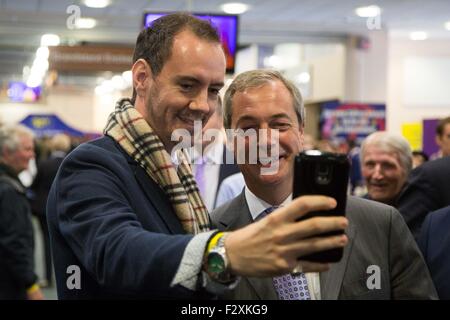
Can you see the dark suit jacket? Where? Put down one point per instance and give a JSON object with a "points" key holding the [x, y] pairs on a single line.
{"points": [[377, 236], [434, 241], [107, 217], [226, 169], [46, 172], [16, 238], [427, 190]]}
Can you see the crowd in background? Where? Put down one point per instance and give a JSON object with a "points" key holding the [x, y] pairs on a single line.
{"points": [[384, 169]]}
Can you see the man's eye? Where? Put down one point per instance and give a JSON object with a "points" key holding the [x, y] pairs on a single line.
{"points": [[214, 91], [281, 126], [186, 86], [369, 164]]}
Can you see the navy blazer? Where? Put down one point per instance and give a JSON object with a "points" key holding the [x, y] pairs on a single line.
{"points": [[107, 217], [434, 241], [427, 190]]}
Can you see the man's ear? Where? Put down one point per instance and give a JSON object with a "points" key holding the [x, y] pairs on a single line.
{"points": [[142, 75], [6, 153], [438, 140]]}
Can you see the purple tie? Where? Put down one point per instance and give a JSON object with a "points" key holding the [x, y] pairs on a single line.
{"points": [[289, 286]]}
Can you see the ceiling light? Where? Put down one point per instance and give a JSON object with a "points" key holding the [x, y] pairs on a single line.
{"points": [[273, 61], [447, 25], [234, 7], [85, 23], [418, 35], [34, 81], [303, 77], [42, 53], [49, 40], [97, 3], [368, 12]]}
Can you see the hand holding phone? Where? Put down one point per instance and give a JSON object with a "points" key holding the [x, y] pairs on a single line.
{"points": [[322, 173]]}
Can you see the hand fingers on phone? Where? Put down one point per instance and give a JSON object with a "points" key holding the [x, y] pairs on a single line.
{"points": [[316, 244], [305, 204], [311, 227]]}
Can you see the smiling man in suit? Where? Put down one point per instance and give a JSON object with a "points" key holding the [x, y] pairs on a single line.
{"points": [[382, 260], [127, 221]]}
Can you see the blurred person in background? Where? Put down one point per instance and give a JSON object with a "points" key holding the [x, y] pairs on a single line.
{"points": [[60, 145], [419, 157], [442, 139], [209, 164], [357, 185], [18, 280], [427, 189], [309, 143], [434, 241], [386, 161], [325, 145]]}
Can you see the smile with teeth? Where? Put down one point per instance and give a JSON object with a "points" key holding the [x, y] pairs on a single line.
{"points": [[264, 161]]}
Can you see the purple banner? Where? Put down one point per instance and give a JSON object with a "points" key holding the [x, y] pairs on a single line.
{"points": [[429, 136]]}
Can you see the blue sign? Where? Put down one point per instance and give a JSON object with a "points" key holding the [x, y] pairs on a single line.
{"points": [[351, 121], [49, 125]]}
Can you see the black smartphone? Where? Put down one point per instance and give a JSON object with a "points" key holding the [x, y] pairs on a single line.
{"points": [[323, 173]]}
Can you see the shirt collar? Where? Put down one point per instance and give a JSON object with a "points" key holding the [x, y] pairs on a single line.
{"points": [[257, 205]]}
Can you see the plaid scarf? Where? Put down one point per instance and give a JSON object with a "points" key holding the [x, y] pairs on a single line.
{"points": [[128, 128]]}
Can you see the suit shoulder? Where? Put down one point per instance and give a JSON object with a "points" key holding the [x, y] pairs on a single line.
{"points": [[368, 211], [440, 218], [101, 150], [221, 212]]}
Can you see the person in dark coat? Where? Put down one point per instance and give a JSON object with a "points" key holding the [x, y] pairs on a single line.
{"points": [[46, 172], [17, 277], [427, 189], [434, 241]]}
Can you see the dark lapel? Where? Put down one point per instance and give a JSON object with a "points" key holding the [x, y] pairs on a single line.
{"points": [[331, 281], [238, 217], [158, 199]]}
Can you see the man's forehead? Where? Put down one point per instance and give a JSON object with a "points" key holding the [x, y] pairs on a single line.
{"points": [[384, 155]]}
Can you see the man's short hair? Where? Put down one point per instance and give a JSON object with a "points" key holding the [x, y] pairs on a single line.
{"points": [[391, 143], [10, 137], [441, 125], [258, 78], [154, 44]]}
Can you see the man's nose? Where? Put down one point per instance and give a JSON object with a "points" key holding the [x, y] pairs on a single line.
{"points": [[377, 172], [200, 103]]}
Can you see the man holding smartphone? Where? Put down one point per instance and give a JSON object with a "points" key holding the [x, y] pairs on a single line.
{"points": [[382, 260], [126, 222]]}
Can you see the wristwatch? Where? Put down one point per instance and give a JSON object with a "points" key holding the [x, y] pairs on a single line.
{"points": [[216, 260]]}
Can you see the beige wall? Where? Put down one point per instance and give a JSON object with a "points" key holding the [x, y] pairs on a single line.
{"points": [[366, 70], [328, 72], [399, 50], [78, 107]]}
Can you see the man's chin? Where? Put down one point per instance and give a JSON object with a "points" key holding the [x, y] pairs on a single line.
{"points": [[380, 197]]}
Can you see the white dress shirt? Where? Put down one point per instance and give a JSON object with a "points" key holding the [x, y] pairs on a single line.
{"points": [[256, 206], [230, 188], [213, 158]]}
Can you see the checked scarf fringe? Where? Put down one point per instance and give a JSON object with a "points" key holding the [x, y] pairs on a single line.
{"points": [[128, 128]]}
